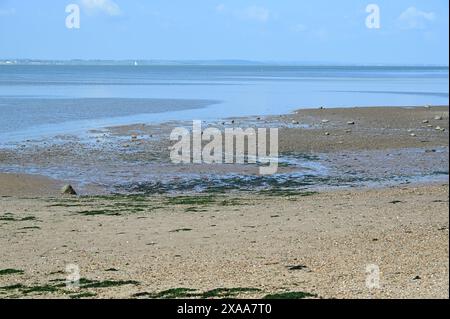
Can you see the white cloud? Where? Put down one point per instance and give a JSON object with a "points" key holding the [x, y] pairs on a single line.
{"points": [[252, 13], [108, 7], [412, 18]]}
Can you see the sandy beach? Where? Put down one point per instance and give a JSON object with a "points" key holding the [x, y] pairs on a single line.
{"points": [[373, 192]]}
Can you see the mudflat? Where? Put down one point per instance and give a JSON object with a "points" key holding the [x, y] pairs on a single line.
{"points": [[380, 208]]}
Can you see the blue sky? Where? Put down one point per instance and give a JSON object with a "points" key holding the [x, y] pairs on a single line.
{"points": [[327, 31]]}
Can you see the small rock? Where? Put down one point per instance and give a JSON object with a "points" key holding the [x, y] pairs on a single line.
{"points": [[68, 190], [348, 131], [438, 128], [413, 135], [325, 121], [351, 123], [327, 133], [438, 118], [425, 121], [295, 122], [417, 278]]}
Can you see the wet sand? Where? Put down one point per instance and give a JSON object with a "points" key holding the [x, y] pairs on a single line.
{"points": [[316, 241], [23, 185], [355, 147]]}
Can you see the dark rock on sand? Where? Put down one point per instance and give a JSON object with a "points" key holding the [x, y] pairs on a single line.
{"points": [[68, 190]]}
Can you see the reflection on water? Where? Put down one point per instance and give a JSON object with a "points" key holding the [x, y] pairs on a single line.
{"points": [[38, 100]]}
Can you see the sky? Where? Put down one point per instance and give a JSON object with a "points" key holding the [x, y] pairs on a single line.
{"points": [[318, 31]]}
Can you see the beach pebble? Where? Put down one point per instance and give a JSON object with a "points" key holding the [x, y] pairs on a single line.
{"points": [[327, 133], [425, 121], [351, 123], [68, 190], [413, 135], [438, 118], [438, 128]]}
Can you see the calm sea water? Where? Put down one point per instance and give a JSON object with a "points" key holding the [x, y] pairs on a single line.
{"points": [[36, 101]]}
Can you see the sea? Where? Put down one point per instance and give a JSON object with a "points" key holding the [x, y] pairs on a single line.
{"points": [[39, 101]]}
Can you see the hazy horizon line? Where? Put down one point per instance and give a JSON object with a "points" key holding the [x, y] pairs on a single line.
{"points": [[205, 62]]}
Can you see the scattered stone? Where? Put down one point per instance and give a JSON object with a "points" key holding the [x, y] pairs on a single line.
{"points": [[417, 278], [348, 131], [438, 128], [327, 133], [430, 151], [68, 190], [325, 121], [351, 123], [425, 121], [413, 135], [295, 122], [298, 267], [438, 118]]}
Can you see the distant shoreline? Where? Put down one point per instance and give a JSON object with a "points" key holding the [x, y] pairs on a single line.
{"points": [[132, 62]]}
